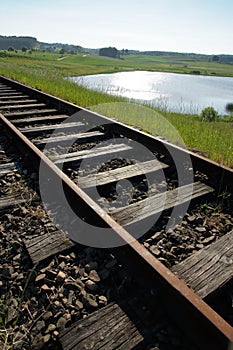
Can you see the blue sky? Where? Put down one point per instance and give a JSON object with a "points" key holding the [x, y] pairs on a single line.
{"points": [[204, 26]]}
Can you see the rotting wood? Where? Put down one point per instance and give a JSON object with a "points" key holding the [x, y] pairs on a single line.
{"points": [[210, 268], [13, 93], [90, 153], [7, 90], [68, 138], [125, 172], [7, 168], [109, 328], [44, 119], [32, 112], [23, 106], [46, 245], [3, 103], [157, 203], [11, 201], [50, 128], [13, 96]]}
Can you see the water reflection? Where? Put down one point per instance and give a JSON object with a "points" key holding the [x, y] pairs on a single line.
{"points": [[176, 92]]}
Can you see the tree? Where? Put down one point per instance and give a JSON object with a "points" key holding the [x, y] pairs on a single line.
{"points": [[24, 49], [17, 42], [124, 52], [229, 108], [10, 49], [109, 52], [209, 114], [215, 58]]}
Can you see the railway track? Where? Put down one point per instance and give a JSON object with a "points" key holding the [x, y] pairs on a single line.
{"points": [[110, 186]]}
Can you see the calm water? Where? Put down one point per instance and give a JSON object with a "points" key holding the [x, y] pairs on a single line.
{"points": [[175, 92]]}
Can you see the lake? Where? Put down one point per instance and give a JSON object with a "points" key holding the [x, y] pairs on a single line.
{"points": [[174, 92]]}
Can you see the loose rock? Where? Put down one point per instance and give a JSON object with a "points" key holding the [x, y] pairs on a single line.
{"points": [[61, 276], [91, 285], [50, 328], [90, 301], [93, 275]]}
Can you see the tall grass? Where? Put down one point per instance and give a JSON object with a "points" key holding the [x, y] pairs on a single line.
{"points": [[213, 139], [45, 72], [50, 78]]}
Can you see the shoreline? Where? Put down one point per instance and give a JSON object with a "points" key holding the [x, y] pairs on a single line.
{"points": [[156, 71]]}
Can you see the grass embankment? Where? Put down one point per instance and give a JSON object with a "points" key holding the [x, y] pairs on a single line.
{"points": [[46, 72], [213, 139]]}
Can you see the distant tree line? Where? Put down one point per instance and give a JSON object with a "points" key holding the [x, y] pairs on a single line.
{"points": [[192, 56], [224, 58], [24, 43], [61, 48], [17, 43], [124, 52]]}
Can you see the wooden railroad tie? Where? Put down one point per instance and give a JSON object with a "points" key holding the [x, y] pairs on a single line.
{"points": [[210, 268]]}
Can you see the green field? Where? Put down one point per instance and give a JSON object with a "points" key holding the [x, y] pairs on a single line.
{"points": [[46, 72], [82, 64]]}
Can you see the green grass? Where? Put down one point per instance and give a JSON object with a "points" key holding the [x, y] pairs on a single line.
{"points": [[83, 64], [45, 72], [213, 139], [179, 65]]}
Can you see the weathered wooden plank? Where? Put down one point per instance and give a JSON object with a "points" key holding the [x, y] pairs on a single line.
{"points": [[10, 201], [68, 138], [13, 96], [121, 173], [44, 119], [108, 328], [50, 128], [46, 245], [157, 203], [15, 102], [6, 90], [90, 153], [13, 93], [7, 168], [23, 106], [32, 112], [210, 268]]}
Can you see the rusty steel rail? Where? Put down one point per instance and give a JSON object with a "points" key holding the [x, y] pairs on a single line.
{"points": [[208, 329]]}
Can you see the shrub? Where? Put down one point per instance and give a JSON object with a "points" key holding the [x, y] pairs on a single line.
{"points": [[229, 108], [209, 114], [3, 54], [196, 72]]}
